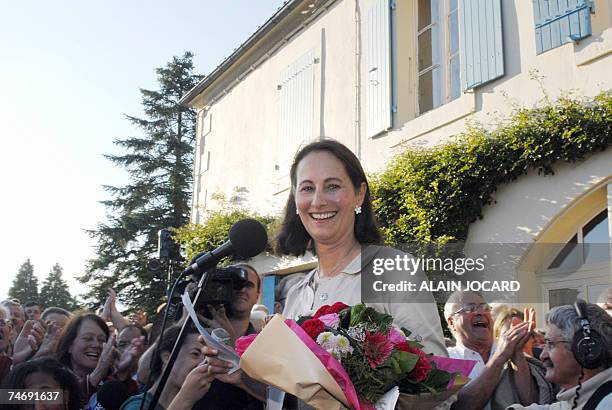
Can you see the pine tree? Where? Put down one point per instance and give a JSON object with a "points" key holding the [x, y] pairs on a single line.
{"points": [[25, 284], [158, 195], [54, 291]]}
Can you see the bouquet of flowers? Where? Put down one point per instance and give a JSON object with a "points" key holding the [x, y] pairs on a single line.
{"points": [[345, 356]]}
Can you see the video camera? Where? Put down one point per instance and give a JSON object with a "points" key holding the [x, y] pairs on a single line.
{"points": [[221, 289], [247, 238]]}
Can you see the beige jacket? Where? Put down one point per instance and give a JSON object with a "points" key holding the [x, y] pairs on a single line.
{"points": [[422, 319]]}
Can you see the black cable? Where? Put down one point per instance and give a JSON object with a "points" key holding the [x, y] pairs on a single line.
{"points": [[577, 396]]}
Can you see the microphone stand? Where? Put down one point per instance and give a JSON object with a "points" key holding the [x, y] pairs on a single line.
{"points": [[177, 345]]}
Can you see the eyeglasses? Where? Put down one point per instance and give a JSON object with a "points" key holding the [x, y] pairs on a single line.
{"points": [[551, 344], [473, 308]]}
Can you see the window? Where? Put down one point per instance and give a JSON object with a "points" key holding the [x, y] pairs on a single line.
{"points": [[296, 90], [438, 53], [205, 129], [379, 78], [590, 245]]}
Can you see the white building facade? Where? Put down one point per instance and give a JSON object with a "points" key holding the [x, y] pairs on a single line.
{"points": [[383, 75]]}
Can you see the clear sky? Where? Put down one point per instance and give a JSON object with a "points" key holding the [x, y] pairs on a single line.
{"points": [[69, 71]]}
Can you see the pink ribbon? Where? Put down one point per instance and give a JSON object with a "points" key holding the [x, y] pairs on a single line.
{"points": [[460, 366]]}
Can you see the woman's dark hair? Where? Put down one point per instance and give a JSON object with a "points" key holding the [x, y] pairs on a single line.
{"points": [[70, 333], [63, 375], [293, 238], [166, 344]]}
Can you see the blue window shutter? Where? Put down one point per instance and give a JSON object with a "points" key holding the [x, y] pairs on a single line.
{"points": [[560, 22], [482, 45], [268, 286], [378, 78]]}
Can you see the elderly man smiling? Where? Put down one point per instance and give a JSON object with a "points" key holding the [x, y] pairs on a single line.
{"points": [[586, 385], [495, 384]]}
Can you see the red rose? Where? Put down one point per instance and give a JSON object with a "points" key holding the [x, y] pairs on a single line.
{"points": [[421, 370], [327, 309], [422, 367], [404, 347], [313, 327]]}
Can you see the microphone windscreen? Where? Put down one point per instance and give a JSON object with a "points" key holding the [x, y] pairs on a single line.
{"points": [[112, 394], [248, 237]]}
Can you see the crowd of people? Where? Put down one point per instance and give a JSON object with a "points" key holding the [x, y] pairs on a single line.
{"points": [[105, 360]]}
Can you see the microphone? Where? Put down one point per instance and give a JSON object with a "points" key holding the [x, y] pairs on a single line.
{"points": [[112, 394], [247, 238]]}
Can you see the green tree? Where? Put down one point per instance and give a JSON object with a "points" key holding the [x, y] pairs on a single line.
{"points": [[25, 284], [159, 164], [54, 291], [195, 238]]}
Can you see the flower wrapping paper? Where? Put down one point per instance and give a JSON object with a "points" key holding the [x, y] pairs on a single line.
{"points": [[279, 357]]}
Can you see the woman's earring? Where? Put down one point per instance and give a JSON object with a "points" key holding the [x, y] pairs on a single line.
{"points": [[357, 210], [297, 212]]}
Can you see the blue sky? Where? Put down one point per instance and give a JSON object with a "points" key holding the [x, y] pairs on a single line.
{"points": [[69, 71]]}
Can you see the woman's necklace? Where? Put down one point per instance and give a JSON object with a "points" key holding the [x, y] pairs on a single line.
{"points": [[324, 296], [336, 268]]}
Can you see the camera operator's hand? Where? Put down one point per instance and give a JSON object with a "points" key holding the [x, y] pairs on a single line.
{"points": [[220, 320]]}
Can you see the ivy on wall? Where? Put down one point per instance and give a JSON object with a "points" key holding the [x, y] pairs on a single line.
{"points": [[432, 195]]}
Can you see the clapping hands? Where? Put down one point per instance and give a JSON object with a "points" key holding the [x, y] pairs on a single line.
{"points": [[510, 343], [128, 361], [220, 320], [29, 340]]}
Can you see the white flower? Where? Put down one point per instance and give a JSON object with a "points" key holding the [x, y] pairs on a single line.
{"points": [[336, 345], [324, 339]]}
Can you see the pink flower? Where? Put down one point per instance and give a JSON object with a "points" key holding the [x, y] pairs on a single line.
{"points": [[396, 337], [330, 320], [377, 348], [243, 343]]}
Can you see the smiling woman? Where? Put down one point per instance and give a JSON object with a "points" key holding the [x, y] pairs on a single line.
{"points": [[88, 349], [329, 212], [80, 347]]}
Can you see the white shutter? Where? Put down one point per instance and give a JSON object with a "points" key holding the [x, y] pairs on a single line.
{"points": [[379, 68]]}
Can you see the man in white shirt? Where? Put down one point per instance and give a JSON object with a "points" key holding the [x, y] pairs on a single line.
{"points": [[469, 319]]}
